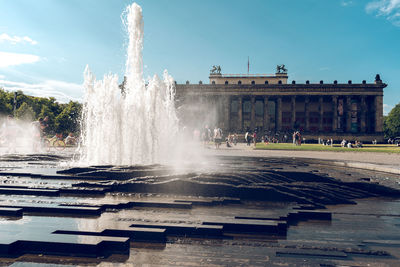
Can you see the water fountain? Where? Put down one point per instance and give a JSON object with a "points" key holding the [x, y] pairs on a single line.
{"points": [[136, 126], [239, 211]]}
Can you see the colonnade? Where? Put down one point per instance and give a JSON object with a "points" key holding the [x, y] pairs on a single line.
{"points": [[368, 111]]}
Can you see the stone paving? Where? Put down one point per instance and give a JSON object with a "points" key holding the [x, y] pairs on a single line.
{"points": [[388, 162], [239, 208]]}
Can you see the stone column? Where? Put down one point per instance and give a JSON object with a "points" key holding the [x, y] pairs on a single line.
{"points": [[293, 107], [266, 115], [321, 113], [253, 113], [348, 114], [214, 106], [307, 113], [240, 113], [278, 121], [363, 115], [227, 113], [335, 116], [378, 114]]}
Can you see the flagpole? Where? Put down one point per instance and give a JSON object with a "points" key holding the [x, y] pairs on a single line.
{"points": [[248, 65]]}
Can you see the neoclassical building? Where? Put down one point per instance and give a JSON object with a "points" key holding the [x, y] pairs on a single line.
{"points": [[268, 103]]}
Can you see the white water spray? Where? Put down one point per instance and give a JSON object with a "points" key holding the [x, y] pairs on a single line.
{"points": [[137, 127]]}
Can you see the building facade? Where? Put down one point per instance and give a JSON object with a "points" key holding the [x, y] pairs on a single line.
{"points": [[270, 104]]}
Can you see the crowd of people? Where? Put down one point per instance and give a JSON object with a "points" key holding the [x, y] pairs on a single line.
{"points": [[215, 136], [349, 144], [253, 137], [11, 130], [207, 135], [15, 133]]}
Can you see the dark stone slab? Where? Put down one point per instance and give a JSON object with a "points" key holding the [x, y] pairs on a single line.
{"points": [[308, 207], [16, 212], [310, 253], [271, 219], [84, 191], [135, 234], [210, 202], [301, 215], [63, 210], [67, 245], [29, 191], [197, 202], [292, 217], [172, 205], [251, 226], [185, 229], [131, 204], [79, 170], [44, 176], [389, 243]]}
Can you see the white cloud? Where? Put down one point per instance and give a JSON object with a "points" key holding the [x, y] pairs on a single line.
{"points": [[346, 3], [61, 60], [2, 76], [62, 91], [12, 59], [390, 9], [386, 109], [4, 37]]}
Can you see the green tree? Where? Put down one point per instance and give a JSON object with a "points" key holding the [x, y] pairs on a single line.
{"points": [[25, 112], [391, 123], [68, 120], [63, 118], [6, 102], [47, 112]]}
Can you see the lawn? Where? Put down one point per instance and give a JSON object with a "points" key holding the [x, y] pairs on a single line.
{"points": [[315, 147]]}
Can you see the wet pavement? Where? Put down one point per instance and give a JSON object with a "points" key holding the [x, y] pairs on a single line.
{"points": [[228, 211]]}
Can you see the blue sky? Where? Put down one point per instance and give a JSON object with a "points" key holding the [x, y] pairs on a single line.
{"points": [[46, 44]]}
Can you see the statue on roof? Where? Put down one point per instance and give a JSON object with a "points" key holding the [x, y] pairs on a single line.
{"points": [[216, 69], [281, 69]]}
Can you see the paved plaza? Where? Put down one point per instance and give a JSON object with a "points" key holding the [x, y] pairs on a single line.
{"points": [[388, 162], [228, 207]]}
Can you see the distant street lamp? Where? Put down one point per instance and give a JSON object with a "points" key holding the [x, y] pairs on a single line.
{"points": [[15, 103]]}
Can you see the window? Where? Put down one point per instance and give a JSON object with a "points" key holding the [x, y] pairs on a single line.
{"points": [[271, 110], [213, 82], [253, 82], [279, 82], [234, 106], [259, 108], [239, 82], [246, 106], [266, 82], [226, 82]]}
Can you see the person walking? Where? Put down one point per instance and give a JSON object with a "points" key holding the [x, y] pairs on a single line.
{"points": [[9, 132], [217, 137], [247, 137]]}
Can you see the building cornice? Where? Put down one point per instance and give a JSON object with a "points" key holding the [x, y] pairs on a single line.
{"points": [[279, 86], [281, 89]]}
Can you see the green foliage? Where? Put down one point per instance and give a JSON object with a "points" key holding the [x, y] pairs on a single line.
{"points": [[336, 148], [6, 102], [68, 120], [391, 123], [63, 118], [25, 112]]}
